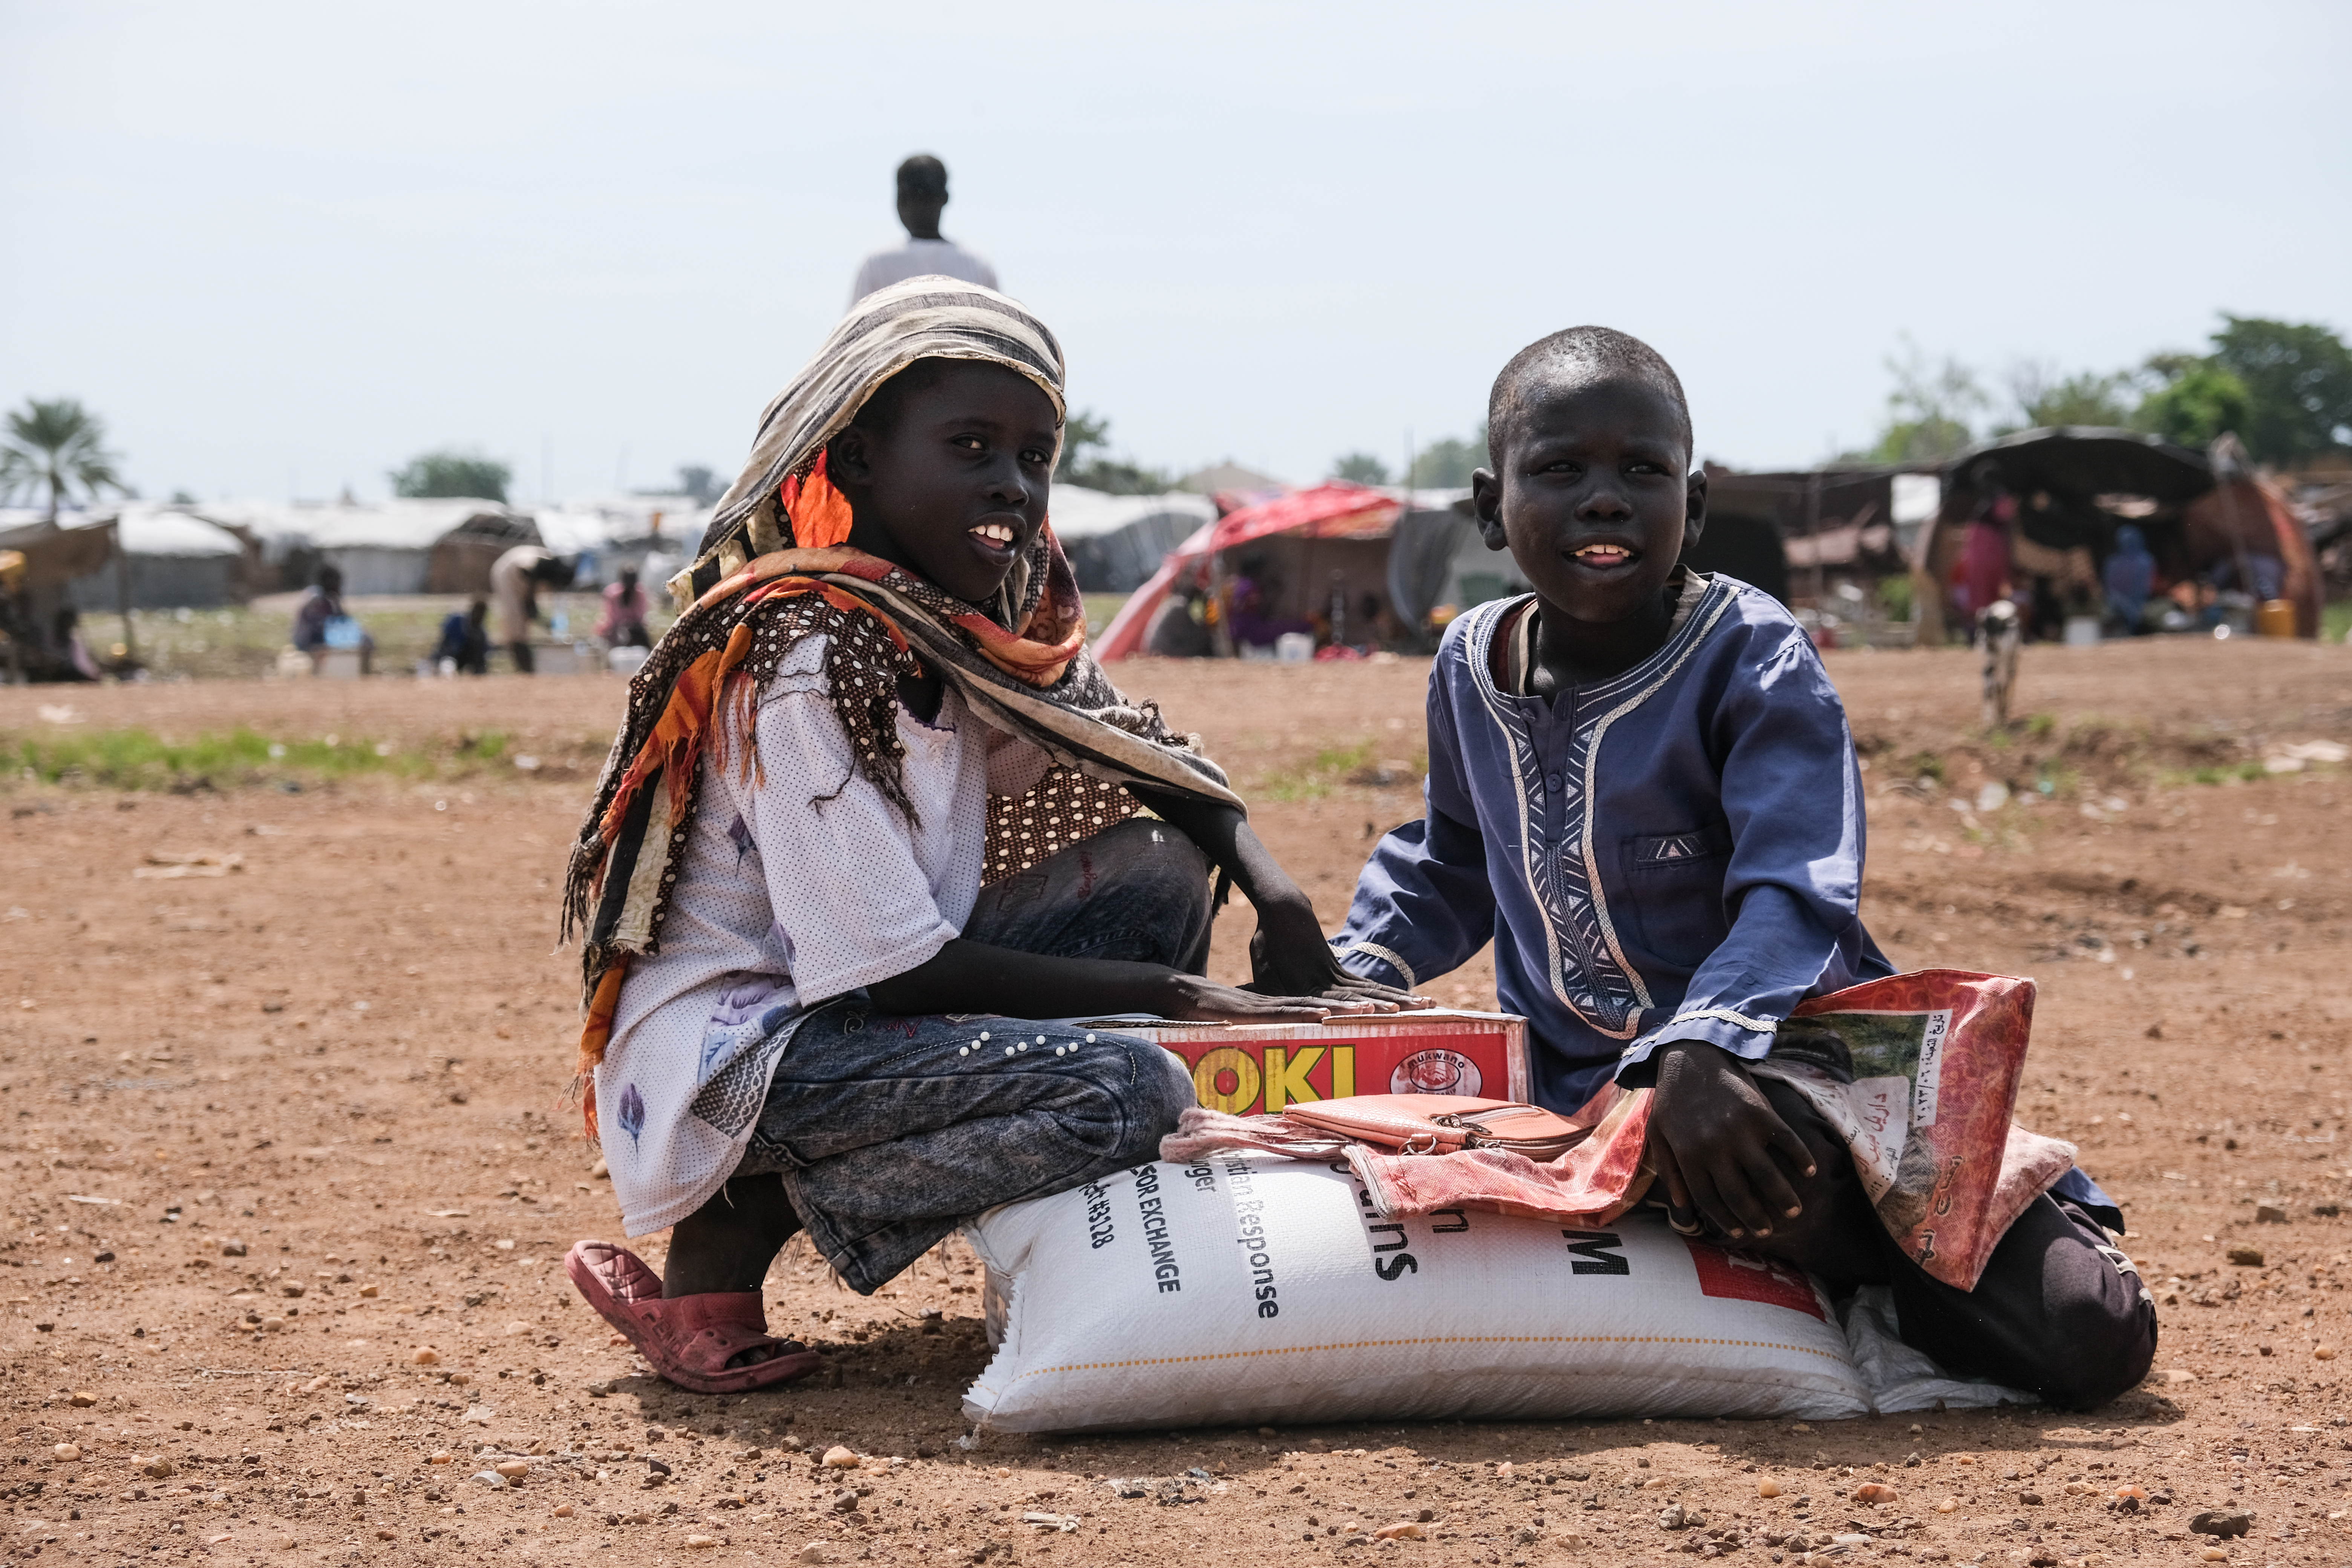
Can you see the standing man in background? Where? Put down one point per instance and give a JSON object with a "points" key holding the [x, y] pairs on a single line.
{"points": [[515, 579], [923, 196]]}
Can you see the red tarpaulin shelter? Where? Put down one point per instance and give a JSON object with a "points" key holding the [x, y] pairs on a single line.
{"points": [[1333, 510]]}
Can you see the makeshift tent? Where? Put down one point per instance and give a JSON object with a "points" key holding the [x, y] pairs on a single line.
{"points": [[2074, 485], [1439, 563], [169, 559], [1335, 514], [459, 560], [39, 562], [1796, 534], [1116, 543], [383, 548], [655, 534], [1363, 565], [56, 554]]}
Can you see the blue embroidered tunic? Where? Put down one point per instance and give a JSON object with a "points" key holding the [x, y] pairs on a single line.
{"points": [[1672, 853]]}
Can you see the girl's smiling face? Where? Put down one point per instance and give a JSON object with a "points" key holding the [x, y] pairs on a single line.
{"points": [[946, 470], [1593, 498]]}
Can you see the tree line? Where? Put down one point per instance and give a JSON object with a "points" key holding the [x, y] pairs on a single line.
{"points": [[2284, 388]]}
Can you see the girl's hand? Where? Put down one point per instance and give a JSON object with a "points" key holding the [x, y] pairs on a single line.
{"points": [[1191, 998], [1288, 955]]}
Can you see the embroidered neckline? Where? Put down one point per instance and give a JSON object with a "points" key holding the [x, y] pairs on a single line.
{"points": [[1517, 620]]}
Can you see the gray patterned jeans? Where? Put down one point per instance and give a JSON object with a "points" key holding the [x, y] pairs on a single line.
{"points": [[890, 1132]]}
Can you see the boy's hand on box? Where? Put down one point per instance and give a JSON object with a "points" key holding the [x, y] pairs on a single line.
{"points": [[1290, 957], [1723, 1150]]}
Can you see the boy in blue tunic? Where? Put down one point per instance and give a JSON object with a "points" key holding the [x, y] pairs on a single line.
{"points": [[1641, 787]]}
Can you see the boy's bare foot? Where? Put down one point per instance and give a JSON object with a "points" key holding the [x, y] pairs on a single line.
{"points": [[729, 1242]]}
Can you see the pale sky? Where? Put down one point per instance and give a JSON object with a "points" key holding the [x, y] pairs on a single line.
{"points": [[282, 248]]}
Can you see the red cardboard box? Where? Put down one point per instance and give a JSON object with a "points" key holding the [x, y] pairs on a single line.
{"points": [[1263, 1067]]}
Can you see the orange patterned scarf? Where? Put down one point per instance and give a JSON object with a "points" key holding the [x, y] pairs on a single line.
{"points": [[699, 693]]}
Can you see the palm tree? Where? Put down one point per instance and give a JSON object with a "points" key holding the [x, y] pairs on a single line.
{"points": [[59, 445]]}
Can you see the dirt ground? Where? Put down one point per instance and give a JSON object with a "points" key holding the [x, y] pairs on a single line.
{"points": [[327, 1084]]}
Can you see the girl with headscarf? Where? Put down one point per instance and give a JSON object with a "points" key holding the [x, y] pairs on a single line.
{"points": [[870, 818]]}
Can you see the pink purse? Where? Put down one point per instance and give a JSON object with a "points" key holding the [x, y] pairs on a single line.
{"points": [[1443, 1123]]}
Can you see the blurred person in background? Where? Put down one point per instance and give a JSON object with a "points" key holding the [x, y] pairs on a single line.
{"points": [[2268, 572], [2130, 578], [322, 604], [320, 622], [515, 578], [1180, 628], [1981, 573], [1247, 617], [923, 196], [465, 645], [72, 655], [623, 622]]}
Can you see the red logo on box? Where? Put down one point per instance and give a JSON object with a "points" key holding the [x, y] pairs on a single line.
{"points": [[1437, 1072], [1744, 1277]]}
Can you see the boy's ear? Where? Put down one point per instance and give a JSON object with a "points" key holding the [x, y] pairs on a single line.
{"points": [[1694, 509], [1486, 506]]}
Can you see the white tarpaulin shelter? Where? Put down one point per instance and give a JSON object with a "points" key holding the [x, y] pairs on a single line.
{"points": [[657, 535], [380, 547], [1116, 543], [169, 530], [174, 560]]}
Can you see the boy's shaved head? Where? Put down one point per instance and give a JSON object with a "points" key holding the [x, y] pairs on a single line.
{"points": [[1591, 493], [1577, 356]]}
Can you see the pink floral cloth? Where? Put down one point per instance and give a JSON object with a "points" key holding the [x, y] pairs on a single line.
{"points": [[1923, 1090], [1592, 1184]]}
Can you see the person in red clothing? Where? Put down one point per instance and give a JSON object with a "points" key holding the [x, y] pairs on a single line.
{"points": [[1982, 575], [623, 623]]}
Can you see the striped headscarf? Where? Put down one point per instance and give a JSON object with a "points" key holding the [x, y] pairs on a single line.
{"points": [[775, 569], [923, 317]]}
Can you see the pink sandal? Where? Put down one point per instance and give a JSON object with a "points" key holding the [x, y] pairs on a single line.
{"points": [[689, 1340]]}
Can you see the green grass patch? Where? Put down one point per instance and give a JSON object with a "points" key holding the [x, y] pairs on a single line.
{"points": [[1317, 776], [139, 759], [1100, 608], [2241, 772]]}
